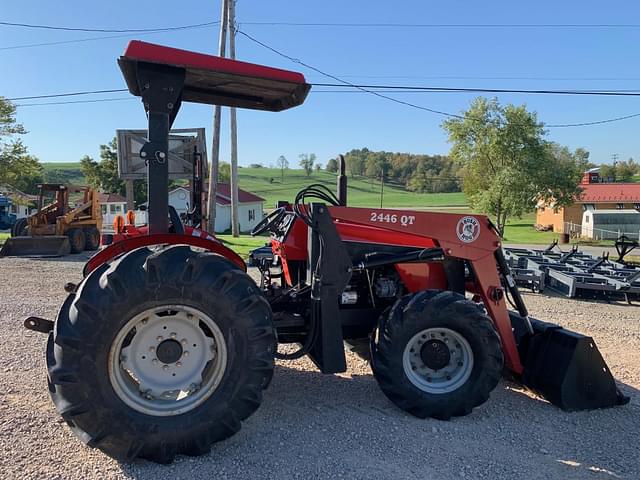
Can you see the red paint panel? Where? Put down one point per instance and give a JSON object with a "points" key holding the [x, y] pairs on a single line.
{"points": [[151, 52], [422, 276]]}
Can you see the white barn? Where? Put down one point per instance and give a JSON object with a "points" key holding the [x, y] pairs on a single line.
{"points": [[250, 207]]}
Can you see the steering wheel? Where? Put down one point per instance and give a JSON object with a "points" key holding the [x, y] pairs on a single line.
{"points": [[269, 221]]}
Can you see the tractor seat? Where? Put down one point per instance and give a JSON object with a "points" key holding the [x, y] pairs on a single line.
{"points": [[218, 81]]}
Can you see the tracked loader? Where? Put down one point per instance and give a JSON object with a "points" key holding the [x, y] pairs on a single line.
{"points": [[166, 345]]}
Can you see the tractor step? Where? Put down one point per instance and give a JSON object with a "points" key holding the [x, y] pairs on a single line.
{"points": [[38, 324], [565, 367]]}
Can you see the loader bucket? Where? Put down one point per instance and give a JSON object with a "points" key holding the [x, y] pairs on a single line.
{"points": [[565, 367], [45, 246]]}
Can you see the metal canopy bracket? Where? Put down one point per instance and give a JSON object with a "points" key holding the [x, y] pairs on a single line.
{"points": [[161, 88]]}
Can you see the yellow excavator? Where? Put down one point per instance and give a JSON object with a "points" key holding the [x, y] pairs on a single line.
{"points": [[56, 228]]}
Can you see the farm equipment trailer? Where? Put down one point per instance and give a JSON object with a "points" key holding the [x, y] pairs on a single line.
{"points": [[57, 228], [166, 345]]}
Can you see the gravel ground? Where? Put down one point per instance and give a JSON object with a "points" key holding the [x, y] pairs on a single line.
{"points": [[319, 426]]}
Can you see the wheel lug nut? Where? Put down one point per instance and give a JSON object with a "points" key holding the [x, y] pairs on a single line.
{"points": [[165, 367], [152, 349], [144, 321], [186, 353], [183, 341], [178, 364], [159, 338], [174, 334]]}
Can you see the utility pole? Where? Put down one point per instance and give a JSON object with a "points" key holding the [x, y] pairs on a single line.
{"points": [[215, 142], [234, 128]]}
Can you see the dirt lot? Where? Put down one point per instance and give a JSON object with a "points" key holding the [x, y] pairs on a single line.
{"points": [[316, 426]]}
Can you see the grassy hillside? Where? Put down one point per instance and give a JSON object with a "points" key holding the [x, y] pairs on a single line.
{"points": [[63, 172], [362, 192], [268, 183]]}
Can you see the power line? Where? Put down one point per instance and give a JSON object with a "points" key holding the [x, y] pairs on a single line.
{"points": [[82, 40], [72, 94], [109, 30], [344, 82], [68, 102], [447, 25], [335, 24], [413, 105], [459, 77], [629, 93]]}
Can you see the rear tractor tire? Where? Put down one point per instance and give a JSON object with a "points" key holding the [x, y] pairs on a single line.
{"points": [[76, 239], [91, 239], [161, 353], [435, 354]]}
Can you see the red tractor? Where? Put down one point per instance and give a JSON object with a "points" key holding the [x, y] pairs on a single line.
{"points": [[166, 345]]}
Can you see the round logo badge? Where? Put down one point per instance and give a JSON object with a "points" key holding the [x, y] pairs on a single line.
{"points": [[468, 229]]}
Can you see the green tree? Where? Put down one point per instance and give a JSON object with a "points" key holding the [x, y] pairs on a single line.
{"points": [[224, 172], [626, 170], [332, 165], [283, 164], [506, 163], [17, 168], [306, 162], [103, 175]]}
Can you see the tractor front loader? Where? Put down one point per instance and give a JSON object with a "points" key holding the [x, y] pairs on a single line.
{"points": [[57, 228], [166, 345]]}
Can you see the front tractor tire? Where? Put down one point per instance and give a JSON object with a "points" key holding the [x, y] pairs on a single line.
{"points": [[163, 352], [436, 354]]}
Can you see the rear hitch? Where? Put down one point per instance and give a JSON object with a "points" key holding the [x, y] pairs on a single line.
{"points": [[38, 324]]}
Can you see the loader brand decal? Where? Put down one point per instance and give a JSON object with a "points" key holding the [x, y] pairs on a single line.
{"points": [[468, 229], [385, 217]]}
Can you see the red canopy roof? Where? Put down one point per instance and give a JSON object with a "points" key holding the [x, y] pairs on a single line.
{"points": [[218, 81], [610, 192]]}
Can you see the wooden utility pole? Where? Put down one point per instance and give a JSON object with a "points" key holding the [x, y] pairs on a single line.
{"points": [[215, 142], [128, 185], [235, 228]]}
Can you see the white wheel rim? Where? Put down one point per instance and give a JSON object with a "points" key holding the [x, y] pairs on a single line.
{"points": [[449, 377], [148, 379]]}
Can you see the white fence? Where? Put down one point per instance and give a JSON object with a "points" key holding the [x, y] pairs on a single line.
{"points": [[583, 231]]}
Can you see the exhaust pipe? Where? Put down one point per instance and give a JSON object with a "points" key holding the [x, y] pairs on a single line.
{"points": [[342, 181]]}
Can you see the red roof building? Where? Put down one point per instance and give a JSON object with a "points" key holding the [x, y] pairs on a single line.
{"points": [[596, 195]]}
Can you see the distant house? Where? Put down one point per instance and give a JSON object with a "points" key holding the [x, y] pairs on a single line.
{"points": [[596, 195], [111, 204], [250, 210]]}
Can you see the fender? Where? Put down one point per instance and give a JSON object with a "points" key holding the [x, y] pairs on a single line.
{"points": [[131, 243]]}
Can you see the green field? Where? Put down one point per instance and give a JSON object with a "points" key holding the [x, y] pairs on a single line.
{"points": [[268, 183], [3, 237], [243, 244], [63, 172]]}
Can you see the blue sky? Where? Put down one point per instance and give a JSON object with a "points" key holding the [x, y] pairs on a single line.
{"points": [[330, 123]]}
